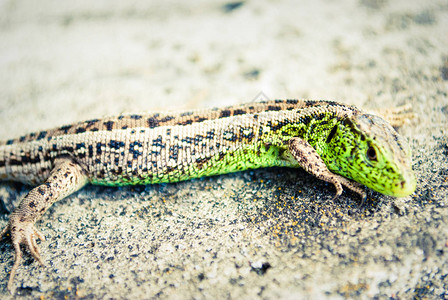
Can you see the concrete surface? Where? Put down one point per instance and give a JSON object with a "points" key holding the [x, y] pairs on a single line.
{"points": [[262, 234]]}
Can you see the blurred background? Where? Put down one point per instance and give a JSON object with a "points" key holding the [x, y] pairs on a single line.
{"points": [[66, 61]]}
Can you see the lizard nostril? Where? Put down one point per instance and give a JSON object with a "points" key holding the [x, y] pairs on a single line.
{"points": [[403, 183]]}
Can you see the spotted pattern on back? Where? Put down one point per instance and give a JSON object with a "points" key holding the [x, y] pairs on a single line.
{"points": [[168, 147], [153, 120]]}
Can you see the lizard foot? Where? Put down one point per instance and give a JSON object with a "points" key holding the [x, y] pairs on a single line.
{"points": [[22, 233], [351, 185], [310, 161], [65, 178]]}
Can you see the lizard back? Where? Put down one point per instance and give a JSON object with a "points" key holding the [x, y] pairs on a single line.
{"points": [[170, 147]]}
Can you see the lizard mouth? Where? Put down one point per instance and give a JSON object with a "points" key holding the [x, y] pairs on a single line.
{"points": [[405, 187]]}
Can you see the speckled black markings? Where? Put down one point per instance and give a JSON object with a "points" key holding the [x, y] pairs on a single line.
{"points": [[41, 135], [166, 147], [65, 129], [225, 113], [116, 144], [238, 112], [152, 122], [274, 108], [158, 120], [109, 125], [90, 153], [90, 123], [134, 149], [99, 148]]}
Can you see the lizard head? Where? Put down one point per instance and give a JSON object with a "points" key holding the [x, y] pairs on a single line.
{"points": [[372, 153]]}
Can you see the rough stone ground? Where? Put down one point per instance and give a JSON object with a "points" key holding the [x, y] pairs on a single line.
{"points": [[261, 234]]}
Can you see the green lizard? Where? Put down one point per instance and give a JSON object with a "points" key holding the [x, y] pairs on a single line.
{"points": [[335, 142]]}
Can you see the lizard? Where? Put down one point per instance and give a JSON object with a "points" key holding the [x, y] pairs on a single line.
{"points": [[337, 143]]}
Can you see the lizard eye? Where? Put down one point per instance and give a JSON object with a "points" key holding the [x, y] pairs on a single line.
{"points": [[371, 153]]}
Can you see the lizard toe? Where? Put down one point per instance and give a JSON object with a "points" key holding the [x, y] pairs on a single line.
{"points": [[339, 189], [39, 235], [17, 260], [26, 234], [23, 233], [4, 231], [32, 245]]}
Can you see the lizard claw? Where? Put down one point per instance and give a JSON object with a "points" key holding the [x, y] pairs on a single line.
{"points": [[22, 233]]}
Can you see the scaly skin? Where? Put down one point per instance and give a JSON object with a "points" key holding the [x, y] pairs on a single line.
{"points": [[335, 142], [374, 155]]}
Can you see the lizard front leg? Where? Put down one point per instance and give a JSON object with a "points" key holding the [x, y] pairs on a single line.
{"points": [[310, 161], [65, 178]]}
